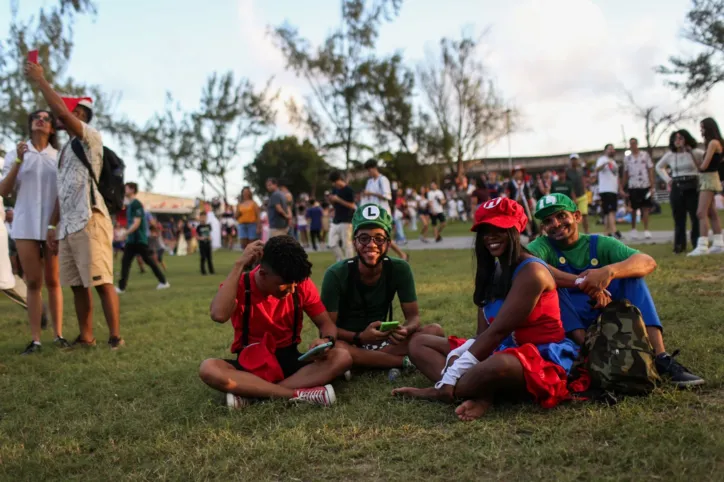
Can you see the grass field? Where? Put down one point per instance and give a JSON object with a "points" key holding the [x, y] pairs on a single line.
{"points": [[658, 222], [142, 413]]}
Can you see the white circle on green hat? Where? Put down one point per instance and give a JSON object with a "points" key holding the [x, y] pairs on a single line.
{"points": [[371, 212]]}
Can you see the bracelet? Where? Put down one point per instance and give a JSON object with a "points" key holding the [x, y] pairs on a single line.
{"points": [[18, 160], [51, 227]]}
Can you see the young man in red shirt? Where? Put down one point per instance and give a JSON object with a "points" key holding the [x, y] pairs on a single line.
{"points": [[266, 307]]}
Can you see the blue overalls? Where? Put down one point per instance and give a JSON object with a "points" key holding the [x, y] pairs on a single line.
{"points": [[578, 314]]}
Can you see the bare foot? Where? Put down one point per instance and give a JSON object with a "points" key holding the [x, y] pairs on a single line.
{"points": [[431, 393], [471, 410]]}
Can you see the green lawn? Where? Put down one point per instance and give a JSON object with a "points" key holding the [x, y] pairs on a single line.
{"points": [[659, 222], [141, 413]]}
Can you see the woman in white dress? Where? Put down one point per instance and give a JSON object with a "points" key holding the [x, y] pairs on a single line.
{"points": [[31, 172]]}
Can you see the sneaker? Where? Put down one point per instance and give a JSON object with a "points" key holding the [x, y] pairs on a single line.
{"points": [[618, 235], [79, 342], [679, 375], [323, 396], [61, 342], [716, 250], [424, 240], [235, 402], [634, 234], [438, 239], [700, 250], [116, 342], [647, 234], [163, 286], [32, 348], [120, 291]]}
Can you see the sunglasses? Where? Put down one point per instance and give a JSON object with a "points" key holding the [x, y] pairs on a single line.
{"points": [[44, 118], [365, 239]]}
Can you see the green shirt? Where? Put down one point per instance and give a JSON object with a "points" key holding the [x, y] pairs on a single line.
{"points": [[335, 294], [563, 187], [133, 211], [610, 251]]}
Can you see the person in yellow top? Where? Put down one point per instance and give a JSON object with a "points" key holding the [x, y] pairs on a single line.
{"points": [[248, 217]]}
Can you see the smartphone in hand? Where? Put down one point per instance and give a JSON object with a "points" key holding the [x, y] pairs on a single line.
{"points": [[33, 56]]}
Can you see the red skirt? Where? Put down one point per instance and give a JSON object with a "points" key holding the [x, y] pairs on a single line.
{"points": [[545, 380]]}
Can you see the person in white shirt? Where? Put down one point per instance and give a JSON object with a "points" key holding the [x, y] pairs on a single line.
{"points": [[608, 189], [436, 202], [638, 177], [379, 191], [31, 171]]}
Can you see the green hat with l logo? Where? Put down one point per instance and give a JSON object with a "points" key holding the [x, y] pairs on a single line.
{"points": [[552, 203]]}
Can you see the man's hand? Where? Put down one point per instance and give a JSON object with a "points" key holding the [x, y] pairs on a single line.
{"points": [[398, 335], [317, 342], [21, 150], [602, 300], [252, 253], [372, 334], [333, 198], [595, 280], [33, 72], [51, 242]]}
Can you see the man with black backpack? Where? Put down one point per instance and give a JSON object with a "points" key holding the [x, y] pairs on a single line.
{"points": [[80, 227], [359, 292], [594, 270]]}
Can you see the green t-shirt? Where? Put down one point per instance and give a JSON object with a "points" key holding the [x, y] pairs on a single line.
{"points": [[133, 211], [563, 187], [335, 294], [609, 251]]}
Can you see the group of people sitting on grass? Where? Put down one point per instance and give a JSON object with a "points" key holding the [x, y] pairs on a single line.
{"points": [[534, 304]]}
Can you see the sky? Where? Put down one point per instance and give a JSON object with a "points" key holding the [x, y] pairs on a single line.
{"points": [[564, 64]]}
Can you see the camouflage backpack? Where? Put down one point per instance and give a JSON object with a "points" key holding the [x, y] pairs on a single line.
{"points": [[616, 355]]}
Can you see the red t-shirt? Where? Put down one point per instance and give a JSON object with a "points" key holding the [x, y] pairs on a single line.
{"points": [[273, 315]]}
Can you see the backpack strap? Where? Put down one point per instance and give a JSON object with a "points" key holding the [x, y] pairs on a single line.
{"points": [[297, 316], [247, 310], [80, 153], [387, 272]]}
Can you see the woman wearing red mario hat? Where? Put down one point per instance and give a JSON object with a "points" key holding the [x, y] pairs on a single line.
{"points": [[520, 348]]}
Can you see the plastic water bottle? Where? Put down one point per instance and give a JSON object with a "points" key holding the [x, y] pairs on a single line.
{"points": [[394, 374]]}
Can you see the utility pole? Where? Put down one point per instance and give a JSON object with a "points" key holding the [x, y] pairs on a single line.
{"points": [[507, 128]]}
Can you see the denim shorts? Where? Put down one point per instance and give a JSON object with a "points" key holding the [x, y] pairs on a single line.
{"points": [[247, 231]]}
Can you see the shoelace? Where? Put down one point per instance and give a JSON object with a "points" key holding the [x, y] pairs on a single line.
{"points": [[317, 395]]}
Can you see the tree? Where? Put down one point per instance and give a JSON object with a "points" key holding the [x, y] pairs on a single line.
{"points": [[658, 121], [51, 33], [336, 70], [208, 140], [299, 166], [463, 102], [699, 73]]}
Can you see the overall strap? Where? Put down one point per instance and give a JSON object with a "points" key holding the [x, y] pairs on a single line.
{"points": [[247, 310], [562, 261], [593, 250]]}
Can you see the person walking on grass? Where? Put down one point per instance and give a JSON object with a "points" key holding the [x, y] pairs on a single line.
{"points": [[340, 232], [520, 350], [203, 234], [638, 177], [266, 306], [314, 220], [277, 209], [575, 173], [608, 189], [709, 186], [248, 216], [80, 228], [31, 172], [436, 205], [379, 191], [137, 241]]}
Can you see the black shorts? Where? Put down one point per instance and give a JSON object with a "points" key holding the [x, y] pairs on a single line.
{"points": [[437, 218], [287, 357], [609, 202], [638, 198]]}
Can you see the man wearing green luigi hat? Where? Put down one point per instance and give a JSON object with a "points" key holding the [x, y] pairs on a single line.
{"points": [[358, 294], [601, 268]]}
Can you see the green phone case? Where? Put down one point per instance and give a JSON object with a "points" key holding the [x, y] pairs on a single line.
{"points": [[389, 325]]}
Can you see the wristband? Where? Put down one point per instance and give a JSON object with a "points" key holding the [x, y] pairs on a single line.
{"points": [[466, 361], [18, 160], [51, 227]]}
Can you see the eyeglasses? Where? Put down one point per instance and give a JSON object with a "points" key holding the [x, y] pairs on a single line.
{"points": [[44, 118], [365, 239]]}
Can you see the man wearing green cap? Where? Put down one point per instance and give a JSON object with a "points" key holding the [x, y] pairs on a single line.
{"points": [[358, 294], [604, 269]]}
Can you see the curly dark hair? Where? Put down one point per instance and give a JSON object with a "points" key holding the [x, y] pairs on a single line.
{"points": [[286, 258], [488, 287]]}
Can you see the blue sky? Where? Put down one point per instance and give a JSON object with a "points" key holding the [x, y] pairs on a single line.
{"points": [[563, 63]]}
